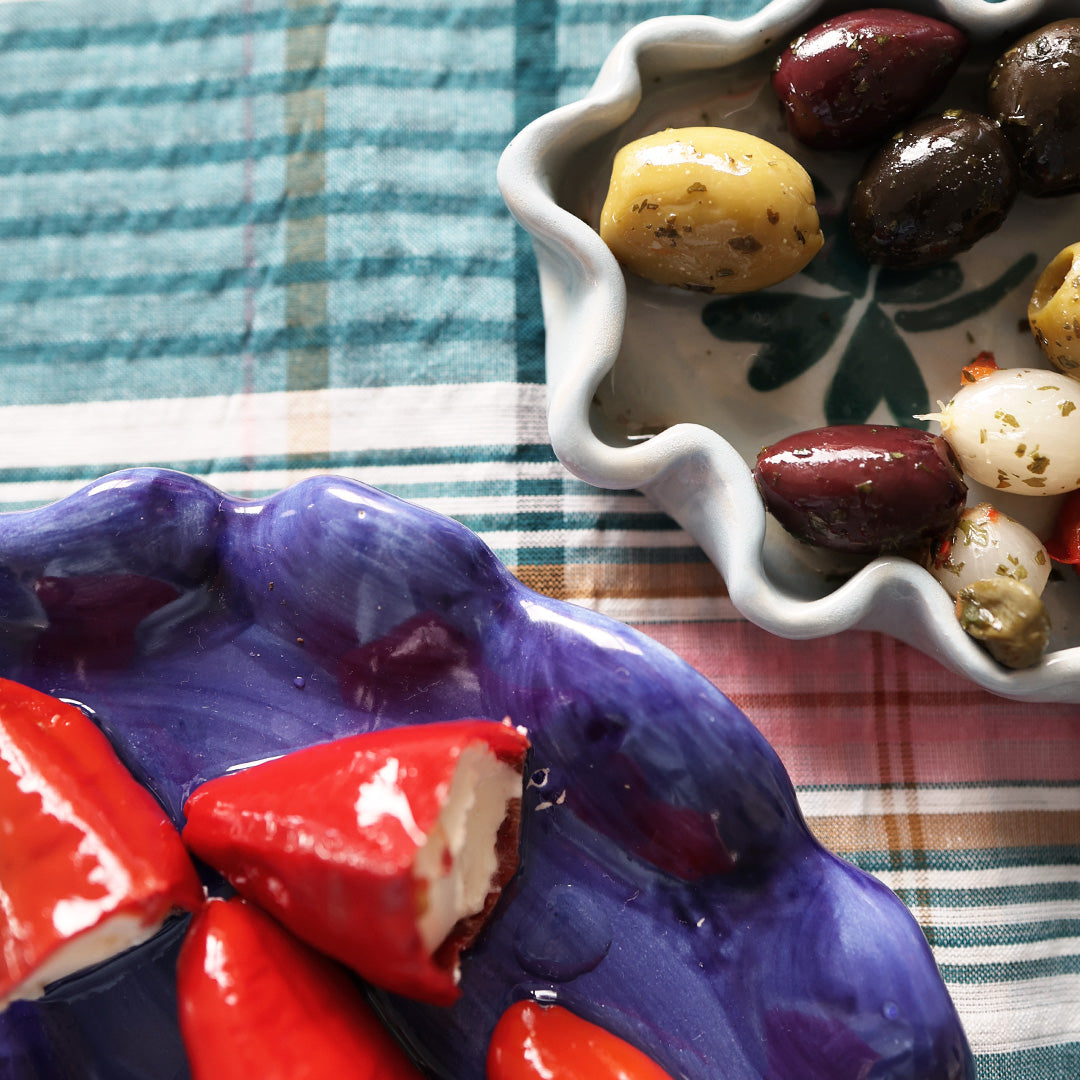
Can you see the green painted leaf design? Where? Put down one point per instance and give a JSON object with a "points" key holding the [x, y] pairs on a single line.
{"points": [[877, 365], [918, 286], [796, 331], [970, 304]]}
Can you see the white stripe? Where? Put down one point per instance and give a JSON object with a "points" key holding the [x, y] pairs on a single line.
{"points": [[1025, 911], [257, 425], [1000, 1018], [1008, 954], [605, 540], [663, 609], [869, 802], [993, 878]]}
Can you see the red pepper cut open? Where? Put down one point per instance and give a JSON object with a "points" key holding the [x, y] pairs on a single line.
{"points": [[257, 1002], [89, 862], [386, 850], [537, 1042]]}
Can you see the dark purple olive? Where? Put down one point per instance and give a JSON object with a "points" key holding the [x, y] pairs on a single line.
{"points": [[858, 77], [1034, 94], [863, 488], [933, 190]]}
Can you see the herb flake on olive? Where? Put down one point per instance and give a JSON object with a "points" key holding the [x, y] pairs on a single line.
{"points": [[862, 488], [857, 77], [1017, 430], [710, 209], [1054, 311], [1033, 92]]}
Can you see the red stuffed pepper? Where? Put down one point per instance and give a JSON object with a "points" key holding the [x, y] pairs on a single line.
{"points": [[89, 863], [538, 1042], [385, 850], [257, 1002]]}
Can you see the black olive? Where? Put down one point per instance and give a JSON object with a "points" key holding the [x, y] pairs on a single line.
{"points": [[1034, 94], [933, 190]]}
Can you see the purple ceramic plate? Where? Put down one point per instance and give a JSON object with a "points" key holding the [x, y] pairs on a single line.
{"points": [[669, 888]]}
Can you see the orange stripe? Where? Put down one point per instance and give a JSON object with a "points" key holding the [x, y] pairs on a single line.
{"points": [[622, 581], [945, 832]]}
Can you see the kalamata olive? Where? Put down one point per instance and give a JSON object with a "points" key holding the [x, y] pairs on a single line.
{"points": [[711, 209], [1034, 93], [859, 76], [933, 190], [863, 488]]}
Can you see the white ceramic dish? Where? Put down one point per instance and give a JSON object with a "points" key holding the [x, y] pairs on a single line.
{"points": [[641, 394]]}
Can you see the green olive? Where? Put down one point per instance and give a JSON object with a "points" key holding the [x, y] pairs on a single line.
{"points": [[710, 209], [1008, 618], [1054, 310]]}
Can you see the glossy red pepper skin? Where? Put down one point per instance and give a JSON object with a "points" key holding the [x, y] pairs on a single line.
{"points": [[257, 1002], [539, 1042], [82, 840], [326, 839], [1063, 545]]}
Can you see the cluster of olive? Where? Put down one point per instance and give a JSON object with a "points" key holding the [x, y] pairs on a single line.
{"points": [[933, 188], [722, 211]]}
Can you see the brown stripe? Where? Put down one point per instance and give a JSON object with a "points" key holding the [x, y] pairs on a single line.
{"points": [[621, 581], [945, 832]]}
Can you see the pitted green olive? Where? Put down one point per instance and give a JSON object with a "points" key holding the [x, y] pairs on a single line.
{"points": [[710, 209], [1054, 311]]}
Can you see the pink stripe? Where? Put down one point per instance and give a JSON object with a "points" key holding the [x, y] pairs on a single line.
{"points": [[828, 705]]}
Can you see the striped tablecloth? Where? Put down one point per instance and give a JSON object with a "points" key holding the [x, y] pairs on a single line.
{"points": [[259, 239]]}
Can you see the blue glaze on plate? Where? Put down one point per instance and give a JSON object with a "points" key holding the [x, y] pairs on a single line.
{"points": [[669, 889]]}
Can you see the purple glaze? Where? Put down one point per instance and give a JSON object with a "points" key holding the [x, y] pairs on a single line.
{"points": [[669, 890]]}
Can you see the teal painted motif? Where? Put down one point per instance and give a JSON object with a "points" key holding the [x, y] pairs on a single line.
{"points": [[797, 330]]}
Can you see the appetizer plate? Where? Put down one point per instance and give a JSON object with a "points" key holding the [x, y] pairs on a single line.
{"points": [[669, 889], [674, 393]]}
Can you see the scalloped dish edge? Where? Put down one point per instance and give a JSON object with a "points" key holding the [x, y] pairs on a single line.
{"points": [[690, 471]]}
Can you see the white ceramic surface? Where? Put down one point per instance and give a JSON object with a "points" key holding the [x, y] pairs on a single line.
{"points": [[642, 395]]}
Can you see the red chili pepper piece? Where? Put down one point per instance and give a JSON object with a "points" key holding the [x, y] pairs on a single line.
{"points": [[347, 844], [537, 1042], [984, 364], [257, 1002], [1063, 546], [84, 845]]}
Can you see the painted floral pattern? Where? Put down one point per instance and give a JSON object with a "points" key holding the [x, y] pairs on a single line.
{"points": [[798, 329]]}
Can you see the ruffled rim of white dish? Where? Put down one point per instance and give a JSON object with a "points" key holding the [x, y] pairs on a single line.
{"points": [[691, 471]]}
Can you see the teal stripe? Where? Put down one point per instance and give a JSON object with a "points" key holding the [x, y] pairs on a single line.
{"points": [[230, 24], [994, 895], [221, 25], [1018, 971], [525, 454], [1044, 1063], [535, 87], [969, 859], [237, 213], [186, 155], [357, 333], [976, 937], [140, 96], [216, 281]]}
